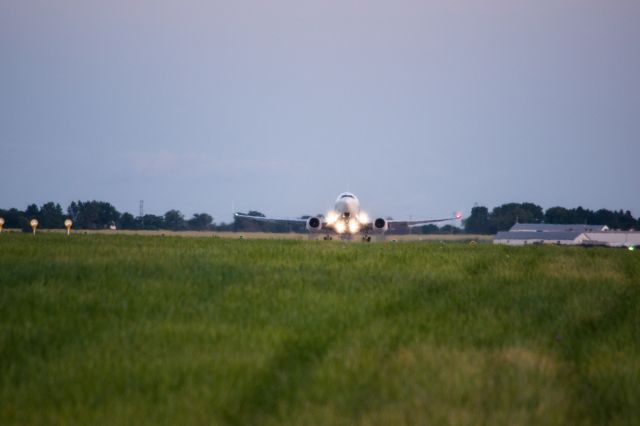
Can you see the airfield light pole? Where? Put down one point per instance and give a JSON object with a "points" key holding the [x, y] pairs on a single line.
{"points": [[34, 225], [1, 224], [141, 216], [67, 224]]}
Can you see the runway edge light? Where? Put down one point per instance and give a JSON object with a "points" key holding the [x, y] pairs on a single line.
{"points": [[68, 224], [34, 225]]}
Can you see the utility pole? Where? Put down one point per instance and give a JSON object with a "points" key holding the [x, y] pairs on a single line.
{"points": [[141, 212]]}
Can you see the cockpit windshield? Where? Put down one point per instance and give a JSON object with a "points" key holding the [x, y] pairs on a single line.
{"points": [[347, 196]]}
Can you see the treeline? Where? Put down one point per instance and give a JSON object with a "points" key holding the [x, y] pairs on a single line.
{"points": [[103, 215], [502, 218]]}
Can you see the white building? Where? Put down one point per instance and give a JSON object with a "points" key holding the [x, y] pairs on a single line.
{"points": [[521, 238], [612, 239], [573, 234], [552, 227]]}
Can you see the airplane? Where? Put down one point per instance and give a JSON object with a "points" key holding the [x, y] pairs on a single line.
{"points": [[346, 219]]}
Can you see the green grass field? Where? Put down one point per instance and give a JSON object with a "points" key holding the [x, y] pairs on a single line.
{"points": [[135, 330]]}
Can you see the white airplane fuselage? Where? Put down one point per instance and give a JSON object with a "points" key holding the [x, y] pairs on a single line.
{"points": [[347, 218], [347, 206]]}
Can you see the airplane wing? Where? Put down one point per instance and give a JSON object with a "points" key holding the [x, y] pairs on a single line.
{"points": [[412, 223], [271, 219]]}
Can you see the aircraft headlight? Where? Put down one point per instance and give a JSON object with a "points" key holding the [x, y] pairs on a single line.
{"points": [[363, 218], [332, 217], [354, 227], [341, 227]]}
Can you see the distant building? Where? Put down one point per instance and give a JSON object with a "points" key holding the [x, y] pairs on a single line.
{"points": [[572, 234], [612, 238], [521, 238], [552, 227]]}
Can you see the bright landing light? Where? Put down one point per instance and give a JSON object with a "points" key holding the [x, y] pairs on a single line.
{"points": [[341, 227], [363, 218], [354, 227], [332, 217]]}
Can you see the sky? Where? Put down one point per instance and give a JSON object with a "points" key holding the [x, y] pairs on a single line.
{"points": [[419, 107]]}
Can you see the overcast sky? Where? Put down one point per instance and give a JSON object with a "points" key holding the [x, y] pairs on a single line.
{"points": [[419, 107]]}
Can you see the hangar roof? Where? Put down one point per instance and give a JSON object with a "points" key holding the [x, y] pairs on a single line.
{"points": [[551, 227], [550, 235]]}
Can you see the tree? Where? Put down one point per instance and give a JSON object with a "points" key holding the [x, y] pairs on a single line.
{"points": [[14, 218], [225, 227], [51, 216], [152, 222], [32, 211], [200, 221], [478, 222], [580, 215], [606, 217], [430, 229], [174, 220], [506, 215], [627, 221], [127, 221], [93, 214], [449, 229], [558, 215]]}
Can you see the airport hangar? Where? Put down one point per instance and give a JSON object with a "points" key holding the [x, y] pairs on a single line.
{"points": [[573, 234]]}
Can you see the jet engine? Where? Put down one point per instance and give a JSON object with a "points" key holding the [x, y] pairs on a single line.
{"points": [[380, 225], [314, 224]]}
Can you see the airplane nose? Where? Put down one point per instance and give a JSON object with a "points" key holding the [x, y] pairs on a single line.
{"points": [[346, 206]]}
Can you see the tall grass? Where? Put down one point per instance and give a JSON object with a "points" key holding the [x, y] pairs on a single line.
{"points": [[153, 330]]}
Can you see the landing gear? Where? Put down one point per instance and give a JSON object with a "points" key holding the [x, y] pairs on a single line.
{"points": [[366, 239], [327, 237]]}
